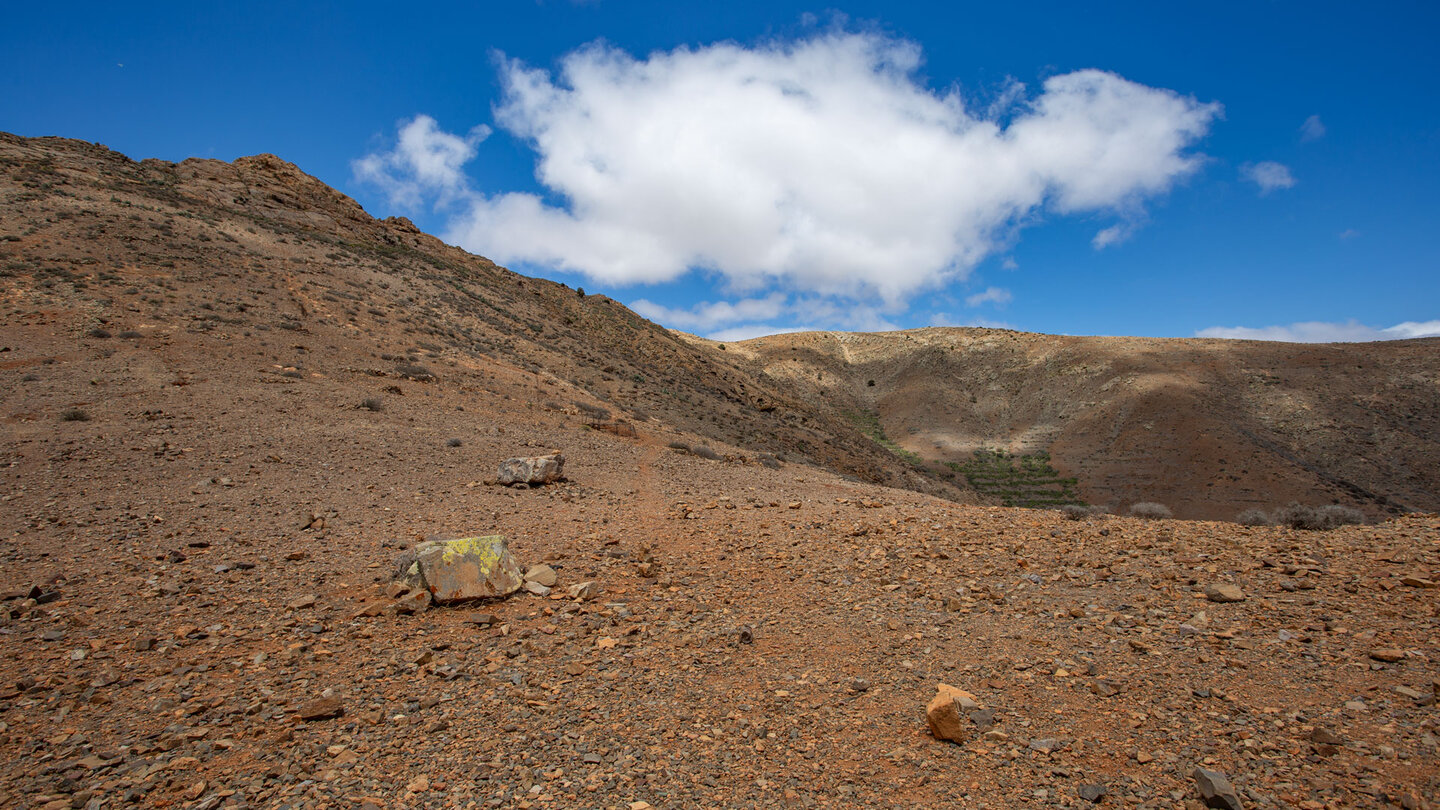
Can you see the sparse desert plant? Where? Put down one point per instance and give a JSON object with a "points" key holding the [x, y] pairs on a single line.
{"points": [[1317, 518], [681, 446], [129, 334], [453, 442], [98, 333], [74, 415], [1079, 511], [30, 378], [1254, 517], [1150, 510], [292, 374], [415, 371], [704, 451], [371, 404], [769, 461]]}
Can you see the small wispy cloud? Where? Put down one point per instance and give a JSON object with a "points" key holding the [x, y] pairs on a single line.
{"points": [[710, 315], [992, 295], [1323, 332], [1113, 235], [1349, 233], [1312, 130], [770, 315], [1268, 175]]}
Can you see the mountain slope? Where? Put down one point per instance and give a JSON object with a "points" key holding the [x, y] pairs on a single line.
{"points": [[1208, 427], [259, 245]]}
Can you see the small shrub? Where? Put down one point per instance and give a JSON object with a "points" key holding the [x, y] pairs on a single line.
{"points": [[30, 378], [371, 404], [74, 415], [1317, 518], [1254, 517], [1150, 510], [1076, 511], [769, 461], [292, 374], [98, 333], [453, 442], [129, 334], [681, 446], [415, 371], [704, 451]]}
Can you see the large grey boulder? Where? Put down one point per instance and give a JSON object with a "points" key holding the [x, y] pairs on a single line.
{"points": [[460, 570], [533, 470]]}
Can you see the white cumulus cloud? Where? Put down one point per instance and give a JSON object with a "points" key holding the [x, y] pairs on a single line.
{"points": [[1268, 175], [822, 166], [1323, 332], [425, 162], [1313, 129]]}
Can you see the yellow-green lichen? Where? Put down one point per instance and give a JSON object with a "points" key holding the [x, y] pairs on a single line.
{"points": [[486, 550]]}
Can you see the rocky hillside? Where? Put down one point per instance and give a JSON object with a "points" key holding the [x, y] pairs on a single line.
{"points": [[1208, 427], [233, 251], [230, 400]]}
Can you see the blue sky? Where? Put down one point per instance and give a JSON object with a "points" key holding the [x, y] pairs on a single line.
{"points": [[1246, 169]]}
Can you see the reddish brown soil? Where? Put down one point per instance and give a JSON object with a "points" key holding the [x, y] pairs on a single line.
{"points": [[222, 413]]}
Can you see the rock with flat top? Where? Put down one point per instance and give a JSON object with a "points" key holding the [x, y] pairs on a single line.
{"points": [[320, 709], [1224, 592], [532, 470]]}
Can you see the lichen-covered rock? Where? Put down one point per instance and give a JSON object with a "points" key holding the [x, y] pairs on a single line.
{"points": [[460, 570], [533, 470]]}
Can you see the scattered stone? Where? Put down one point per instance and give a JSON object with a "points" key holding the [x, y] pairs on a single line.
{"points": [[320, 709], [1224, 592], [536, 589], [584, 591], [143, 644], [533, 470], [1389, 655], [1091, 793], [541, 574], [308, 600], [946, 713], [461, 570], [1418, 582], [1048, 745], [746, 635], [411, 602], [859, 685], [1216, 790], [1325, 736]]}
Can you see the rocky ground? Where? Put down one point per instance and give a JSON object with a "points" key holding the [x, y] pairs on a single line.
{"points": [[199, 518]]}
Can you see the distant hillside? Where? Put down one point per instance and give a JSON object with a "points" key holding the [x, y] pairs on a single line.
{"points": [[1207, 427]]}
